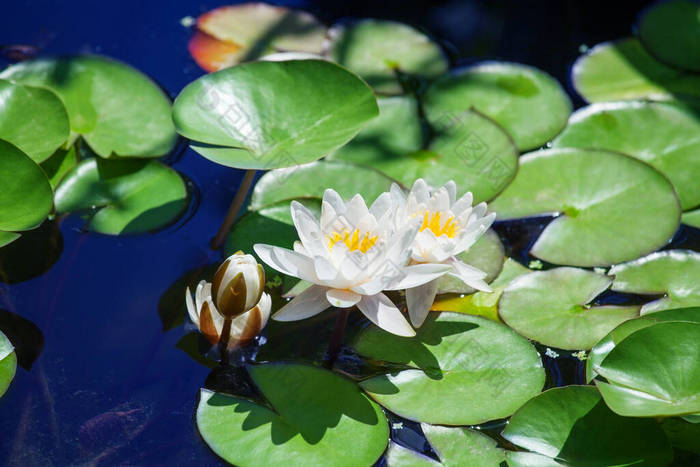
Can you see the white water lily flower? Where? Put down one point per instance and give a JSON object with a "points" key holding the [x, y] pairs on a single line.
{"points": [[350, 257], [236, 292], [448, 227]]}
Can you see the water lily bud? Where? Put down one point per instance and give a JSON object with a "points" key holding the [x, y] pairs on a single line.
{"points": [[238, 285], [211, 323]]}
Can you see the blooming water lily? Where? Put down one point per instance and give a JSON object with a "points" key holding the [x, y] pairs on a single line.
{"points": [[350, 256], [233, 304], [448, 226]]}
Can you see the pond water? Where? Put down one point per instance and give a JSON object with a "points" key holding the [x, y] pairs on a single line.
{"points": [[102, 382]]}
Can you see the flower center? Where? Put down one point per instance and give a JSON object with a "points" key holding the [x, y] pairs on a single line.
{"points": [[431, 221], [354, 241]]}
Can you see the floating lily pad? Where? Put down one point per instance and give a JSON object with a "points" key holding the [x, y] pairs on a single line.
{"points": [[607, 343], [265, 115], [25, 197], [117, 109], [671, 32], [573, 425], [392, 136], [483, 303], [33, 119], [309, 181], [675, 273], [60, 163], [315, 417], [123, 196], [486, 254], [607, 202], [655, 371], [453, 446], [378, 49], [468, 148], [624, 70], [460, 370], [232, 34], [692, 218], [8, 363], [662, 135], [554, 308], [527, 102]]}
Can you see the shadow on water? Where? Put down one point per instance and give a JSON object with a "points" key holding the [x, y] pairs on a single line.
{"points": [[25, 336], [32, 254]]}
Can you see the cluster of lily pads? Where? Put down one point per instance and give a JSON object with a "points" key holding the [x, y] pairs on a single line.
{"points": [[609, 184], [80, 134], [367, 105]]}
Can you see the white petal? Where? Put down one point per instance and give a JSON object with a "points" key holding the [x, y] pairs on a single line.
{"points": [[325, 271], [451, 188], [308, 230], [381, 205], [420, 191], [310, 302], [372, 287], [419, 300], [462, 203], [286, 261], [342, 298], [470, 275], [332, 197], [382, 312], [265, 305], [356, 211], [328, 215], [191, 310], [418, 274]]}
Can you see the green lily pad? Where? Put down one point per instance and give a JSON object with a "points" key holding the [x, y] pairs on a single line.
{"points": [[468, 148], [607, 343], [530, 459], [395, 134], [309, 181], [378, 49], [692, 218], [454, 446], [606, 202], [671, 32], [624, 70], [265, 115], [33, 119], [460, 370], [8, 363], [527, 102], [117, 109], [663, 135], [60, 163], [655, 371], [25, 197], [483, 303], [315, 417], [675, 273], [123, 196], [486, 254], [572, 425], [553, 308]]}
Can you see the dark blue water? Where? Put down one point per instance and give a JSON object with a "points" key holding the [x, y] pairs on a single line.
{"points": [[103, 383]]}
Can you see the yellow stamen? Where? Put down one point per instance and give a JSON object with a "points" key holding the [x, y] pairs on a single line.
{"points": [[431, 221], [353, 240]]}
